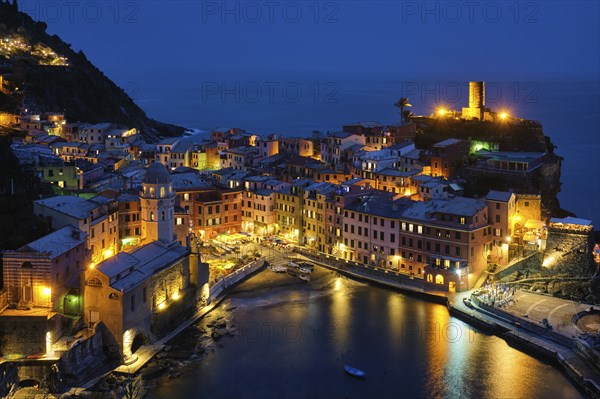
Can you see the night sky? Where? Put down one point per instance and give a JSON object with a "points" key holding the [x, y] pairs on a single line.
{"points": [[445, 40]]}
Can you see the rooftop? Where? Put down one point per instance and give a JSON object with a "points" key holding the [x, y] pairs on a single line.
{"points": [[126, 270], [58, 242], [265, 192], [157, 173], [189, 181], [182, 146], [459, 206], [70, 205], [447, 142], [500, 196], [379, 203], [572, 220]]}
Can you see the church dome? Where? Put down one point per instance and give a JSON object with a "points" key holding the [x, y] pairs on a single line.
{"points": [[157, 173]]}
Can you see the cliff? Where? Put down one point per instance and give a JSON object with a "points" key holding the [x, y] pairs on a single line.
{"points": [[43, 74], [516, 135]]}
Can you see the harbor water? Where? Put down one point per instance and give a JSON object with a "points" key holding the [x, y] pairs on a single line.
{"points": [[292, 340]]}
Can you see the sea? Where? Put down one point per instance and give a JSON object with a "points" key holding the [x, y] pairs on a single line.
{"points": [[288, 105]]}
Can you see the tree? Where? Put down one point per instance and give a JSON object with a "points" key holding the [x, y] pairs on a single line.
{"points": [[402, 103], [406, 114]]}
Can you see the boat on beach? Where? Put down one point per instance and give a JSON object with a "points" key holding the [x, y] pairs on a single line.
{"points": [[278, 269], [304, 277], [354, 372]]}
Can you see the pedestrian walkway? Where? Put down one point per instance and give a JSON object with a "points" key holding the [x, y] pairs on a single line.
{"points": [[558, 312]]}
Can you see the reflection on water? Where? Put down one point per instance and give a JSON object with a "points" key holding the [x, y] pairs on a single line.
{"points": [[293, 339]]}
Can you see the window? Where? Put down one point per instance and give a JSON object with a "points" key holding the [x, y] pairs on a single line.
{"points": [[162, 192], [457, 235], [151, 216], [462, 220], [497, 205], [497, 218]]}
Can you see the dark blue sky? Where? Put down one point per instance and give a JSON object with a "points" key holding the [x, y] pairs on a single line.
{"points": [[445, 40]]}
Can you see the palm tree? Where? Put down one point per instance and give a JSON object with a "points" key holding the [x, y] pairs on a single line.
{"points": [[402, 103]]}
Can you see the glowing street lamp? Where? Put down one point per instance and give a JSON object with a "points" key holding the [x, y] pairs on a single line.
{"points": [[442, 112], [503, 115]]}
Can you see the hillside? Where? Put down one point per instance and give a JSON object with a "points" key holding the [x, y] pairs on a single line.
{"points": [[520, 135], [43, 73]]}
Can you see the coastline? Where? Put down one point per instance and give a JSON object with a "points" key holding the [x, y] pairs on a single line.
{"points": [[563, 358]]}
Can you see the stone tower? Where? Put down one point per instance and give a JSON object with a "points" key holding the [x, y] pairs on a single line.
{"points": [[157, 201], [476, 109]]}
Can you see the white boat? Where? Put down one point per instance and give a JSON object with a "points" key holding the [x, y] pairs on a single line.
{"points": [[305, 270], [294, 265], [278, 269], [353, 371], [304, 277]]}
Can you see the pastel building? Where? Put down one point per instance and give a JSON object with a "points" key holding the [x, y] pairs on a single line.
{"points": [[96, 217], [46, 272]]}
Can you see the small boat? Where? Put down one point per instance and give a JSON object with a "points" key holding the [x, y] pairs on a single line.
{"points": [[468, 303], [354, 372], [304, 277], [294, 265], [278, 269], [305, 270]]}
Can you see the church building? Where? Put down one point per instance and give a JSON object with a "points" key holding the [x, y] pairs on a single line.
{"points": [[133, 292]]}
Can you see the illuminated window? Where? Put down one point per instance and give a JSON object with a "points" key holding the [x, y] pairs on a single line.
{"points": [[162, 192], [152, 216], [430, 278], [439, 279]]}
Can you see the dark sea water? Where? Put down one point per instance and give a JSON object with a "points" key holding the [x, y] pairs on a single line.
{"points": [[289, 105], [293, 338]]}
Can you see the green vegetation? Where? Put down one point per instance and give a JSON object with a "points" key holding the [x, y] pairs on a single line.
{"points": [[18, 190], [80, 90]]}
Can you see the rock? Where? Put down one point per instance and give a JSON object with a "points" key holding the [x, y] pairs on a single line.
{"points": [[180, 355], [216, 336], [151, 373]]}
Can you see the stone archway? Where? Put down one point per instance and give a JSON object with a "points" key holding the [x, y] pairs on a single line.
{"points": [[133, 339], [139, 340]]}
